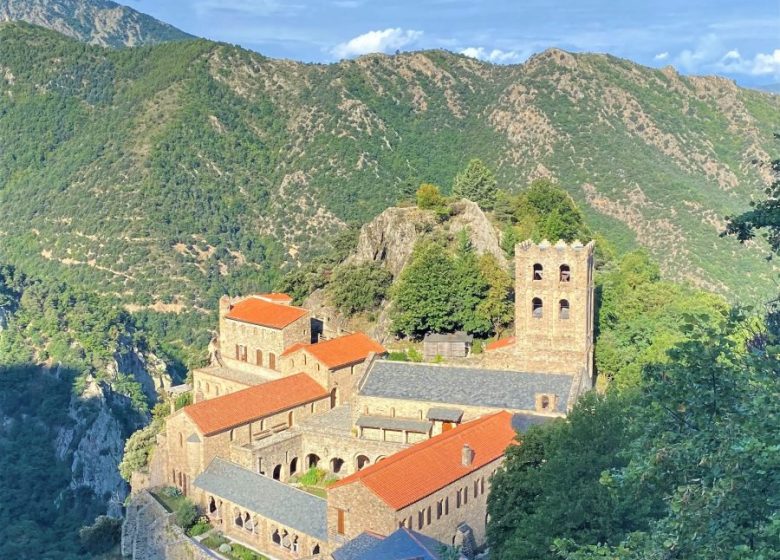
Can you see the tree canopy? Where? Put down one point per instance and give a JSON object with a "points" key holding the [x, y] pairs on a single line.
{"points": [[476, 183]]}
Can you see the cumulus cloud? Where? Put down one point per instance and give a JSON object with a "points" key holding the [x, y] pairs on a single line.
{"points": [[385, 40], [256, 8], [662, 56], [496, 56], [762, 64]]}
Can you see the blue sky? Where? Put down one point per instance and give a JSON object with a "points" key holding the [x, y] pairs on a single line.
{"points": [[736, 38]]}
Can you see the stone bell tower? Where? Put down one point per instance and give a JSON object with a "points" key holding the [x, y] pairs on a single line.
{"points": [[554, 307]]}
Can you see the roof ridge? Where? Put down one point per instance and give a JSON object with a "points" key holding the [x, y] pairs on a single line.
{"points": [[431, 443], [272, 480]]}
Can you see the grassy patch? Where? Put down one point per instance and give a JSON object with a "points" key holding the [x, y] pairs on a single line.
{"points": [[237, 551]]}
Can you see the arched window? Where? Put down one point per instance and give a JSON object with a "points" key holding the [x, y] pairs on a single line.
{"points": [[276, 537], [565, 273], [208, 388], [294, 465], [237, 519], [563, 309], [271, 360], [277, 474], [537, 308], [316, 549], [538, 270]]}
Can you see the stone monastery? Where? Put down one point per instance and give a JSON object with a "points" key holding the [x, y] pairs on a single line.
{"points": [[411, 447]]}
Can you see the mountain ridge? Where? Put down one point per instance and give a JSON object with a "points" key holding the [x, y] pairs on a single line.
{"points": [[98, 22], [173, 173]]}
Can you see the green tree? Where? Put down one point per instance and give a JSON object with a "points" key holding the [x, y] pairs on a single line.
{"points": [[550, 212], [496, 307], [356, 288], [476, 183], [470, 288], [424, 298], [103, 535], [429, 197], [186, 513], [549, 487]]}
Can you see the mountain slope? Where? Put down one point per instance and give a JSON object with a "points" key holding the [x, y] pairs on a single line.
{"points": [[99, 22], [168, 175]]}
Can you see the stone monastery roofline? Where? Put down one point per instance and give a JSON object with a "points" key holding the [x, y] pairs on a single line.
{"points": [[341, 351], [265, 313], [510, 390], [269, 498], [418, 471], [561, 245], [248, 405]]}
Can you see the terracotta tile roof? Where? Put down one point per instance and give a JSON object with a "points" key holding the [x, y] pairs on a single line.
{"points": [[294, 348], [501, 343], [341, 351], [277, 297], [260, 312], [419, 471], [235, 409]]}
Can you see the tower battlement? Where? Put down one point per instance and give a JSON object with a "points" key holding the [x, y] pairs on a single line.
{"points": [[554, 306]]}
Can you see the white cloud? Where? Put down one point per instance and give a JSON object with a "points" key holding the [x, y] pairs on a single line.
{"points": [[762, 64], [386, 40], [496, 56], [662, 56]]}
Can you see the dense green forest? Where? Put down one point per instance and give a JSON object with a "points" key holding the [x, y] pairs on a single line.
{"points": [[166, 176], [679, 457]]}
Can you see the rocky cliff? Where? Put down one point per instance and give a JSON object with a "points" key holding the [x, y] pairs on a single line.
{"points": [[389, 240], [98, 22]]}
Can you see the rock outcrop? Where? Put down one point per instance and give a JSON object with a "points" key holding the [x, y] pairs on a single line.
{"points": [[391, 236]]}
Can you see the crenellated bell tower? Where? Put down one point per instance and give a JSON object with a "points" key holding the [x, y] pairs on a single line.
{"points": [[554, 308]]}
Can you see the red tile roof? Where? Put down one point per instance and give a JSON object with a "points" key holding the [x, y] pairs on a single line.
{"points": [[260, 312], [341, 351], [502, 343], [419, 471], [277, 297], [235, 409]]}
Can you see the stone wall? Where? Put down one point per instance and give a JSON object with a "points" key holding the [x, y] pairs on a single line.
{"points": [[207, 385], [554, 339], [437, 515], [264, 345], [343, 379]]}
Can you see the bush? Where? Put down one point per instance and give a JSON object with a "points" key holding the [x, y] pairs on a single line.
{"points": [[429, 197], [185, 514], [356, 288], [312, 477], [398, 356], [202, 526], [103, 535]]}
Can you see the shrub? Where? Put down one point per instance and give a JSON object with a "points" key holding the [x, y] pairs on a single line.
{"points": [[429, 197], [202, 526], [312, 477], [185, 514], [103, 535]]}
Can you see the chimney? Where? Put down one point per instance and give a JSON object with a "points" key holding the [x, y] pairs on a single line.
{"points": [[467, 455]]}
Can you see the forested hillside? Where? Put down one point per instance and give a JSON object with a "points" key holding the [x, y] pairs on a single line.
{"points": [[166, 176]]}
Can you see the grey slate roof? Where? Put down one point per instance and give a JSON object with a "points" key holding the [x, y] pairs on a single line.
{"points": [[521, 422], [448, 337], [193, 438], [445, 414], [269, 498], [402, 544], [406, 424], [357, 547], [497, 389]]}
